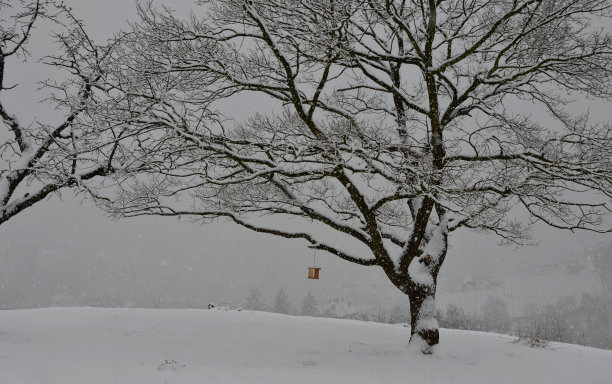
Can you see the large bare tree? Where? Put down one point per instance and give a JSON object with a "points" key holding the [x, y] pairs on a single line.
{"points": [[39, 158], [393, 123]]}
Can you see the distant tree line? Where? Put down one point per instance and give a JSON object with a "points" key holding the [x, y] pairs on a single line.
{"points": [[587, 321], [336, 308], [255, 302]]}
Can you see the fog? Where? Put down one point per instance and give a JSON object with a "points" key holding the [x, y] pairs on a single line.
{"points": [[66, 252]]}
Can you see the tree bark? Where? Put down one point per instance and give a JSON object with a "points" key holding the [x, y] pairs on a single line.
{"points": [[424, 332]]}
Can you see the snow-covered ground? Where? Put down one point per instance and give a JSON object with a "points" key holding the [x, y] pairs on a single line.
{"points": [[113, 346]]}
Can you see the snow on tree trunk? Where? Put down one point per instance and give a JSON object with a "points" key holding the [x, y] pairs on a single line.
{"points": [[424, 333], [423, 273]]}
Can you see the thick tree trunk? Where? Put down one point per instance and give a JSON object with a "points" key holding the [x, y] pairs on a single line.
{"points": [[419, 282], [424, 332]]}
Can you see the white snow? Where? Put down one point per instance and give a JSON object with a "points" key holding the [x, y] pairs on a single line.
{"points": [[427, 315], [87, 345], [437, 240], [419, 273]]}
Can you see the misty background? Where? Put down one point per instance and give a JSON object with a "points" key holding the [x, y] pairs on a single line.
{"points": [[65, 252]]}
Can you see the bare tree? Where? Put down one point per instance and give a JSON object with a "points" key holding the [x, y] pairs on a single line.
{"points": [[395, 124], [39, 158]]}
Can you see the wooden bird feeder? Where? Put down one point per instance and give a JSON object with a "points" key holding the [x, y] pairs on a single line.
{"points": [[313, 272]]}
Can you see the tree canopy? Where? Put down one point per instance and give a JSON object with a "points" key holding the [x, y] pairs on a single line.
{"points": [[393, 123]]}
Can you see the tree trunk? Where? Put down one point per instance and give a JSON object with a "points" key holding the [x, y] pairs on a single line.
{"points": [[423, 320], [424, 332], [420, 284]]}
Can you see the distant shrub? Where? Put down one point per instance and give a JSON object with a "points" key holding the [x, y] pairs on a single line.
{"points": [[533, 333]]}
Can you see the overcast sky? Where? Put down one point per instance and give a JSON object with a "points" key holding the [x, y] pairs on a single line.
{"points": [[66, 252]]}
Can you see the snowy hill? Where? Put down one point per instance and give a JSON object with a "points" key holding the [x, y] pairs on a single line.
{"points": [[90, 346]]}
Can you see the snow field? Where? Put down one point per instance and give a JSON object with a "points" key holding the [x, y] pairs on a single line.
{"points": [[149, 346]]}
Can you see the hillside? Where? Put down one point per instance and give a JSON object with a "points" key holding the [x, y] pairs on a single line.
{"points": [[90, 345]]}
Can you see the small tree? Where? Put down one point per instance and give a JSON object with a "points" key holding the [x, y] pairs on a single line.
{"points": [[281, 303], [310, 306], [40, 158], [254, 301], [392, 124], [548, 324]]}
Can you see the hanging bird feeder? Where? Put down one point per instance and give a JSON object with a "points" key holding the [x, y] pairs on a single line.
{"points": [[313, 272]]}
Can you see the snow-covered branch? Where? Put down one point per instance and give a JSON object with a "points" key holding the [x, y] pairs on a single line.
{"points": [[39, 159]]}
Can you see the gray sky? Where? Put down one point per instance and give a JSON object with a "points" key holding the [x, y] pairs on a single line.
{"points": [[62, 252]]}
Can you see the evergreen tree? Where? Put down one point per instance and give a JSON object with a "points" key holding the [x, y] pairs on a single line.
{"points": [[310, 306], [281, 303], [254, 301]]}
